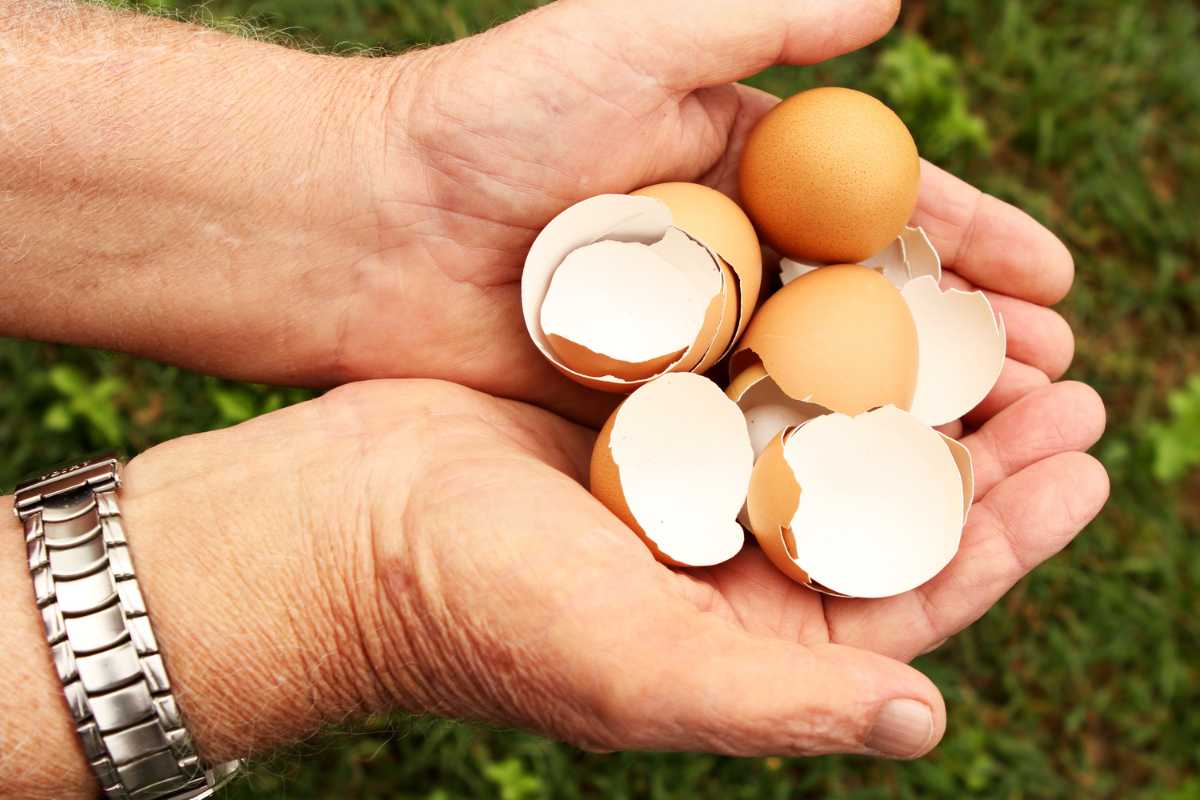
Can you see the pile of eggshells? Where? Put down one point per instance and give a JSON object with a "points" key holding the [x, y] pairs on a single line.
{"points": [[823, 444]]}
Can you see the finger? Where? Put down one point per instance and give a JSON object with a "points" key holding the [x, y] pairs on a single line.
{"points": [[1016, 381], [991, 243], [686, 45], [1055, 419], [699, 683], [753, 104], [1036, 335], [1023, 521], [641, 667]]}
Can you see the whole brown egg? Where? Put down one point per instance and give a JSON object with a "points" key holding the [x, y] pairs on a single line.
{"points": [[830, 175]]}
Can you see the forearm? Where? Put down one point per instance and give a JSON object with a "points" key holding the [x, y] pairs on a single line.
{"points": [[244, 575], [178, 192]]}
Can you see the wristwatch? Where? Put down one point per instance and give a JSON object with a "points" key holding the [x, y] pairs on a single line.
{"points": [[101, 639]]}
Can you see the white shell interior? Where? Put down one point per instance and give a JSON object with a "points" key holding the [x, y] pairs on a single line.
{"points": [[684, 460], [881, 502], [768, 410], [632, 302], [602, 234], [960, 349]]}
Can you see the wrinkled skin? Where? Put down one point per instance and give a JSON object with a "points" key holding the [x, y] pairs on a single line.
{"points": [[457, 563], [459, 567], [498, 133]]}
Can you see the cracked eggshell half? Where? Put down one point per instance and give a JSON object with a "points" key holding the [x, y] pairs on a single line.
{"points": [[768, 410], [712, 218], [864, 506], [614, 295], [961, 343], [841, 337], [910, 255], [673, 462]]}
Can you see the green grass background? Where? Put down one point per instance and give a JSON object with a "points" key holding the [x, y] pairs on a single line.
{"points": [[1083, 682]]}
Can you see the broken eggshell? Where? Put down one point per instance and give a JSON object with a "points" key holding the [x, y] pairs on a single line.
{"points": [[604, 312], [673, 462], [910, 255], [866, 506], [961, 340], [619, 289], [961, 343], [841, 337], [720, 223], [767, 408]]}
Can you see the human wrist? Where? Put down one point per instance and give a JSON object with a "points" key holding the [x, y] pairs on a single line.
{"points": [[247, 584]]}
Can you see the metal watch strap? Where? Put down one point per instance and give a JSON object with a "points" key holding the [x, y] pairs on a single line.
{"points": [[101, 639]]}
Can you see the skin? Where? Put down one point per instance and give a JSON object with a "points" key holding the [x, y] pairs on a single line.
{"points": [[427, 546]]}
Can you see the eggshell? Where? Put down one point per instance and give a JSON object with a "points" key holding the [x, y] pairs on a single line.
{"points": [[614, 295], [771, 503], [910, 255], [966, 470], [864, 506], [630, 303], [919, 255], [841, 337], [961, 344], [829, 175], [768, 410], [726, 331], [673, 462], [713, 218]]}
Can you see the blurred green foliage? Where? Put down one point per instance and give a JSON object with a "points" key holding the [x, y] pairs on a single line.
{"points": [[1177, 442], [1084, 681]]}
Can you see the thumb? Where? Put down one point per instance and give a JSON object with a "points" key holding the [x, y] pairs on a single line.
{"points": [[688, 45], [716, 688]]}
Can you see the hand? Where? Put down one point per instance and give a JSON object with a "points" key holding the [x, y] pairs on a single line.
{"points": [[504, 130], [339, 219], [423, 546], [526, 602]]}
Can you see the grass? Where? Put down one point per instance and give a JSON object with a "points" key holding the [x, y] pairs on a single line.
{"points": [[1082, 682]]}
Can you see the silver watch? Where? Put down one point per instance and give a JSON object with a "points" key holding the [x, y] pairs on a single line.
{"points": [[101, 639]]}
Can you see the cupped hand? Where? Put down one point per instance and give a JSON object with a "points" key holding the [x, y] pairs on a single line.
{"points": [[489, 137], [428, 547]]}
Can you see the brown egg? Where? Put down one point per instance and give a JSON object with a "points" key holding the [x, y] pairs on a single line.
{"points": [[830, 175], [840, 336]]}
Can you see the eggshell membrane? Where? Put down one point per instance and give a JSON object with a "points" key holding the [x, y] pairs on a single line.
{"points": [[767, 408], [879, 506], [961, 349], [841, 337], [675, 464], [719, 222], [829, 175]]}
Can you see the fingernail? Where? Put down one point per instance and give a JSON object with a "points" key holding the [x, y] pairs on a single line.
{"points": [[902, 729]]}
